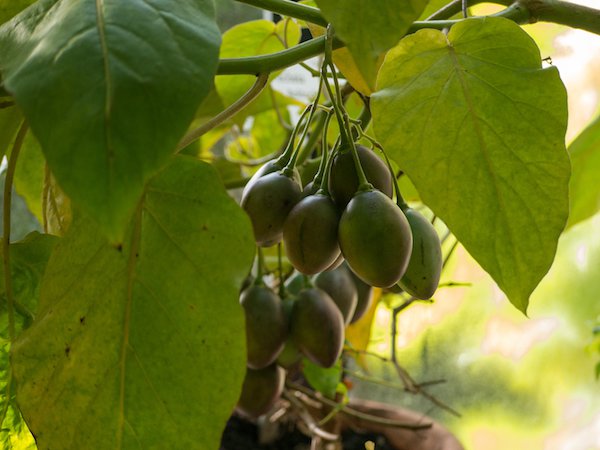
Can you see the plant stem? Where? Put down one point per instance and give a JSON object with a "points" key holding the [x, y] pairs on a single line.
{"points": [[291, 9], [6, 209], [564, 13], [233, 109]]}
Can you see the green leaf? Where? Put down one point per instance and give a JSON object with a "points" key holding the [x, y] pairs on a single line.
{"points": [[257, 37], [323, 380], [379, 28], [584, 189], [29, 176], [142, 346], [479, 127], [10, 119], [28, 262], [121, 82], [10, 8]]}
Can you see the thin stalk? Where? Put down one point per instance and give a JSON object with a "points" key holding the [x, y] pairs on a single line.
{"points": [[6, 210], [289, 149], [320, 118], [233, 109], [324, 153], [354, 413], [291, 9], [280, 270], [292, 163]]}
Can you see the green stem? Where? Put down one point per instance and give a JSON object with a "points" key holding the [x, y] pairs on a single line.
{"points": [[280, 269], [6, 210], [260, 266], [291, 9], [233, 109], [322, 176], [453, 8], [289, 149], [292, 163], [320, 119], [564, 13]]}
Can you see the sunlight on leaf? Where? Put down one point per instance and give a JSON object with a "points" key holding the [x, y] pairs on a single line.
{"points": [[479, 127]]}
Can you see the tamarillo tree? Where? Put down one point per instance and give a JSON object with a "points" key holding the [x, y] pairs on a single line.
{"points": [[122, 326]]}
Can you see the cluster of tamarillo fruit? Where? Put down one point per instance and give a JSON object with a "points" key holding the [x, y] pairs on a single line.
{"points": [[345, 230]]}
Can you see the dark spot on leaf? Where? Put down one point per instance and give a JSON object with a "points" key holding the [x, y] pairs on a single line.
{"points": [[67, 351], [119, 247], [204, 228], [82, 320], [192, 307], [137, 255], [203, 341]]}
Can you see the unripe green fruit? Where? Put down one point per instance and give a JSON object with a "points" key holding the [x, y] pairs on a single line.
{"points": [[268, 203], [339, 286], [337, 263], [364, 296], [317, 327], [310, 189], [290, 355], [266, 326], [269, 167], [310, 234], [422, 275], [260, 390], [294, 284], [375, 238], [308, 170], [343, 180]]}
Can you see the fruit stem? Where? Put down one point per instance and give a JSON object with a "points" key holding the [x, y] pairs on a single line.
{"points": [[324, 187], [363, 183], [318, 178], [280, 270], [313, 107], [289, 149], [260, 266], [399, 199]]}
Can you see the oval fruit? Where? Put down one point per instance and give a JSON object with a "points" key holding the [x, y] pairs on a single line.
{"points": [[260, 390], [337, 263], [343, 180], [269, 167], [310, 234], [375, 238], [422, 275], [317, 327], [266, 325], [268, 203], [290, 355], [364, 292], [340, 287]]}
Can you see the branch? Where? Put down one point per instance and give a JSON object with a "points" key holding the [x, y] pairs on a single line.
{"points": [[355, 413], [564, 13], [234, 108], [252, 65], [291, 9]]}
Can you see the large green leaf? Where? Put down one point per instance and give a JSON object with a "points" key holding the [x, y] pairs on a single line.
{"points": [[28, 262], [479, 127], [585, 180], [142, 346], [108, 88], [10, 8], [371, 28]]}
